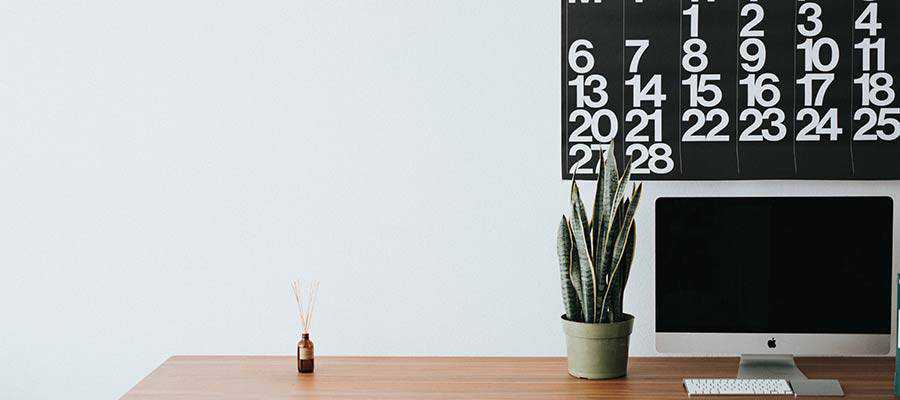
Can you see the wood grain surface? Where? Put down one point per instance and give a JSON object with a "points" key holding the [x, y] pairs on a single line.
{"points": [[276, 377]]}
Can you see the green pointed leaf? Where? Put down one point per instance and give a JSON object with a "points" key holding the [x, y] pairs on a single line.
{"points": [[617, 284], [625, 266], [597, 217], [616, 210], [608, 186], [578, 204], [610, 178], [619, 245], [614, 229], [575, 270], [579, 230], [564, 248], [613, 232], [611, 223], [621, 189]]}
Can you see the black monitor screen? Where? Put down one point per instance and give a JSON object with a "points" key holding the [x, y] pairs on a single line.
{"points": [[774, 265]]}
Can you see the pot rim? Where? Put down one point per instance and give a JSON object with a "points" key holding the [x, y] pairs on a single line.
{"points": [[628, 318]]}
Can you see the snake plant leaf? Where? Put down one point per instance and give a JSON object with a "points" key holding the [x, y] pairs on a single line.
{"points": [[617, 284], [575, 270], [621, 188], [578, 204], [606, 267], [620, 214], [615, 220], [607, 187], [564, 249], [619, 248], [610, 173], [622, 185], [588, 282], [597, 217], [610, 229], [625, 265], [614, 229]]}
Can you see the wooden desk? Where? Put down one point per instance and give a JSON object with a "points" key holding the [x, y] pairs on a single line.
{"points": [[264, 377]]}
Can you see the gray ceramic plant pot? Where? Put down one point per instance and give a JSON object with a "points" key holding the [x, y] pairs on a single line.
{"points": [[598, 351]]}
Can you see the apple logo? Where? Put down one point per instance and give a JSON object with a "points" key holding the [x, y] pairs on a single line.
{"points": [[771, 343]]}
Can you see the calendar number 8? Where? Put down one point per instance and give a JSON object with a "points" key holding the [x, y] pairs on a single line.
{"points": [[695, 49]]}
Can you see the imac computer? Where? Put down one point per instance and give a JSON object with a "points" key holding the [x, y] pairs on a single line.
{"points": [[772, 277]]}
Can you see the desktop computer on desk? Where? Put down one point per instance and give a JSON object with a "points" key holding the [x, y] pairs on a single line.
{"points": [[769, 278]]}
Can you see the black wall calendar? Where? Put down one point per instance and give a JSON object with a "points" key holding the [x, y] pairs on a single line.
{"points": [[732, 89]]}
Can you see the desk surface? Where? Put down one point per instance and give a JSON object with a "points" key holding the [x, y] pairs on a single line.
{"points": [[275, 377]]}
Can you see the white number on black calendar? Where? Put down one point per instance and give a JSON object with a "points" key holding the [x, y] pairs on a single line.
{"points": [[821, 55], [766, 122], [877, 119], [595, 125], [704, 93], [648, 154]]}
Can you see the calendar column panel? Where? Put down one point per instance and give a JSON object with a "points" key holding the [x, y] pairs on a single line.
{"points": [[592, 44], [765, 105], [876, 116], [823, 89], [652, 79], [709, 48]]}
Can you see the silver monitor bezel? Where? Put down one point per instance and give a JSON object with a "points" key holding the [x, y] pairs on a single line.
{"points": [[801, 344]]}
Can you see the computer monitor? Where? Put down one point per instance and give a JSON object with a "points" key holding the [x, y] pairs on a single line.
{"points": [[774, 275]]}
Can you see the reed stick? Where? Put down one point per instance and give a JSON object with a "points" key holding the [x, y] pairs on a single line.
{"points": [[305, 313]]}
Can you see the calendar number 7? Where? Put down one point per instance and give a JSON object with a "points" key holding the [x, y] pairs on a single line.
{"points": [[642, 46]]}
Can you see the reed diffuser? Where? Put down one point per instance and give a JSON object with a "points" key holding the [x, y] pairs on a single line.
{"points": [[305, 359]]}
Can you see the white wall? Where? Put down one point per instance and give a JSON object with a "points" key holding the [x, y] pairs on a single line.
{"points": [[167, 167]]}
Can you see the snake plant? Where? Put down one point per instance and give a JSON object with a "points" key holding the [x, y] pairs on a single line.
{"points": [[595, 253]]}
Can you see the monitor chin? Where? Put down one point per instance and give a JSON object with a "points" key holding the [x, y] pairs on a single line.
{"points": [[732, 344]]}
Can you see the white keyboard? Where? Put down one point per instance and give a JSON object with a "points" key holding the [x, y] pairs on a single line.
{"points": [[737, 387]]}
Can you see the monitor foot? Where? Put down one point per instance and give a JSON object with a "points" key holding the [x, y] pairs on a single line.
{"points": [[769, 366]]}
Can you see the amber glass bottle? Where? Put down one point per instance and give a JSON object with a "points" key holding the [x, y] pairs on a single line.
{"points": [[305, 360]]}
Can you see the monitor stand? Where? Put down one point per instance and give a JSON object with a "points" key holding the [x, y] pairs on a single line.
{"points": [[782, 366], [769, 366]]}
